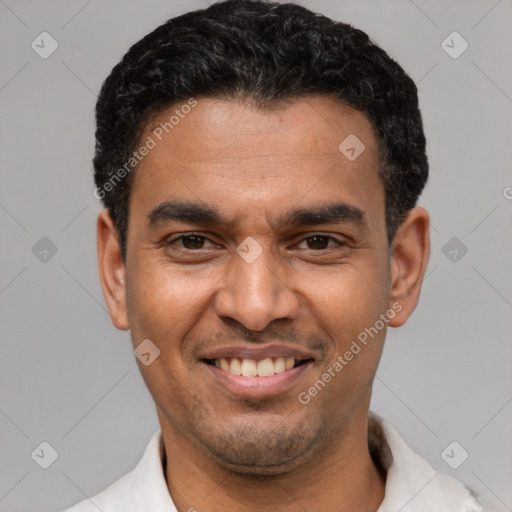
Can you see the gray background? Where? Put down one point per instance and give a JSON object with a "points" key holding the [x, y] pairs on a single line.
{"points": [[69, 378]]}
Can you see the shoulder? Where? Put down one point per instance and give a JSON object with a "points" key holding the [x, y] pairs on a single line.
{"points": [[112, 499], [143, 488], [412, 484]]}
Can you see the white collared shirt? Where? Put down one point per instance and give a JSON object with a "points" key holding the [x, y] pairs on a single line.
{"points": [[412, 485]]}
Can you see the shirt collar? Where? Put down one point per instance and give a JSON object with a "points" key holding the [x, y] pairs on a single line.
{"points": [[412, 484]]}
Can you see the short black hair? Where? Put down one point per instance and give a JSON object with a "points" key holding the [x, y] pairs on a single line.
{"points": [[265, 53]]}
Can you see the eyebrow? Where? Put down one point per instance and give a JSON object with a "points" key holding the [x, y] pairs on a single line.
{"points": [[195, 213]]}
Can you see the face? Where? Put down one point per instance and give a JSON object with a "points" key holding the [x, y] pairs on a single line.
{"points": [[257, 258]]}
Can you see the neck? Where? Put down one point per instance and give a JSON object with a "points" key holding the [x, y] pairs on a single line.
{"points": [[342, 477]]}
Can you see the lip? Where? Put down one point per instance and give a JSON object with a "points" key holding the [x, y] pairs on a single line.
{"points": [[259, 387], [258, 353]]}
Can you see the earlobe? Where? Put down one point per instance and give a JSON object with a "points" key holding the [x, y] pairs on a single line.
{"points": [[112, 270], [408, 263]]}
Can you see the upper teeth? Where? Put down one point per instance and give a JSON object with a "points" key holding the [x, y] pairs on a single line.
{"points": [[254, 368]]}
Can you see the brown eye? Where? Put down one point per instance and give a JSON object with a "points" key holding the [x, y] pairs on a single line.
{"points": [[192, 241], [317, 242], [320, 242]]}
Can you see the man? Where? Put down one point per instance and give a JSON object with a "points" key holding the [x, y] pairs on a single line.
{"points": [[260, 166]]}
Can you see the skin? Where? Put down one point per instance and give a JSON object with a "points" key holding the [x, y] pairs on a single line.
{"points": [[226, 452]]}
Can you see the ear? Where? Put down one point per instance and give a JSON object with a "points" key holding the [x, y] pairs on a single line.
{"points": [[112, 270], [409, 258]]}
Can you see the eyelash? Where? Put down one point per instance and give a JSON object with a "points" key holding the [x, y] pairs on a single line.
{"points": [[322, 235]]}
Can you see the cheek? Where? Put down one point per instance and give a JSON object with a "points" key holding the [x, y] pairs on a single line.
{"points": [[347, 305], [348, 314], [163, 306], [163, 302], [347, 298]]}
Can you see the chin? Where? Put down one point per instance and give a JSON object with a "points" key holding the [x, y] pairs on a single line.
{"points": [[260, 451]]}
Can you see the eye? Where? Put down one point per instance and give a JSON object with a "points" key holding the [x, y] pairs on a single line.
{"points": [[190, 242], [318, 242]]}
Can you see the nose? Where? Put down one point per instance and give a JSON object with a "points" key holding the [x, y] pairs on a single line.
{"points": [[255, 294]]}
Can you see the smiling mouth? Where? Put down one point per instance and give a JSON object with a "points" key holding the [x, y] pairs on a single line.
{"points": [[256, 368]]}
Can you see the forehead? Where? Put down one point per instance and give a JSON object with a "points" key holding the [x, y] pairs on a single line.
{"points": [[250, 160]]}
